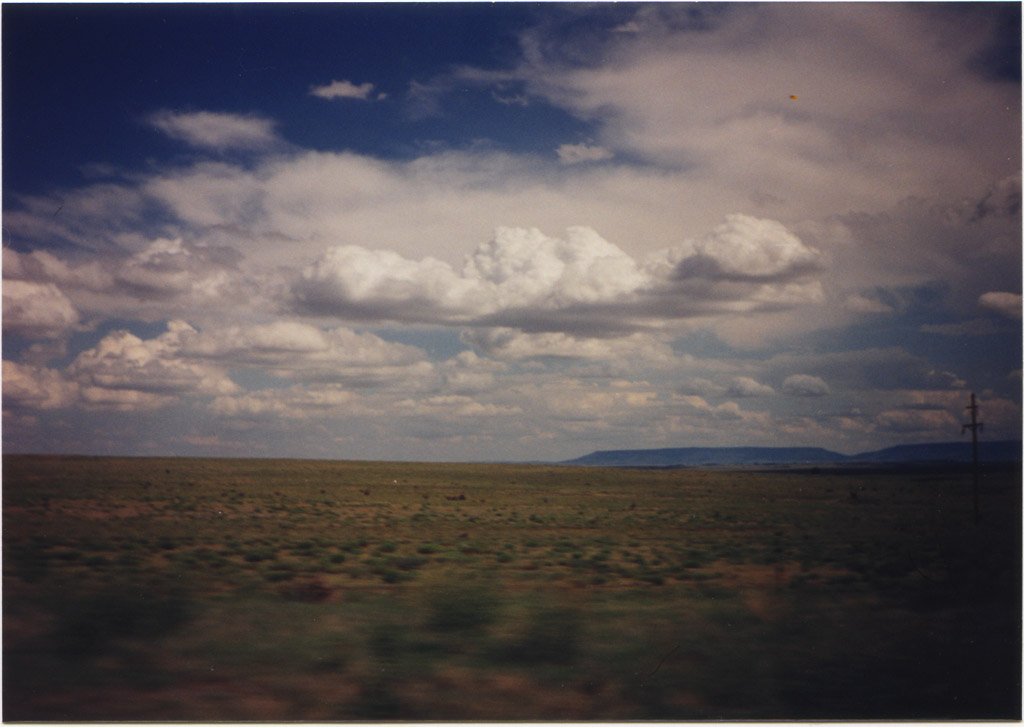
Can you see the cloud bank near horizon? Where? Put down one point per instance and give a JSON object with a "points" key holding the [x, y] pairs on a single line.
{"points": [[712, 262]]}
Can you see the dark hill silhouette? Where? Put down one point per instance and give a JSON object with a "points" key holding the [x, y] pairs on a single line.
{"points": [[1000, 451], [1003, 451]]}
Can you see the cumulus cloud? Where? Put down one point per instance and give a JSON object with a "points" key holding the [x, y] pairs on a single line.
{"points": [[169, 268], [975, 327], [1002, 200], [917, 421], [525, 279], [527, 268], [805, 385], [219, 131], [734, 119], [298, 351], [858, 303], [745, 248], [700, 386], [273, 343], [296, 402], [353, 281], [878, 369], [243, 250], [1005, 304], [165, 278], [726, 411], [41, 266], [596, 406], [37, 310], [517, 268], [343, 89], [515, 345], [36, 388], [921, 252], [468, 373], [453, 406], [124, 371], [295, 206], [578, 153], [745, 386], [292, 207], [288, 207], [736, 386]]}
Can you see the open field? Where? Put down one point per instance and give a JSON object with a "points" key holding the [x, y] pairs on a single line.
{"points": [[190, 589]]}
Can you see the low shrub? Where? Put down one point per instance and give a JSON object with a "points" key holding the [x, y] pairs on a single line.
{"points": [[462, 607], [257, 555], [276, 576], [410, 562], [86, 626], [552, 636], [307, 591]]}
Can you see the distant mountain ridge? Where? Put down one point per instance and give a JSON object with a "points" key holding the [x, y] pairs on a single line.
{"points": [[1000, 451]]}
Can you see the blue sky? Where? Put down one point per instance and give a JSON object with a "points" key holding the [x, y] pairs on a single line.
{"points": [[508, 231]]}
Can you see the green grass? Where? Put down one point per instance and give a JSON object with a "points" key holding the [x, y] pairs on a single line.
{"points": [[197, 590]]}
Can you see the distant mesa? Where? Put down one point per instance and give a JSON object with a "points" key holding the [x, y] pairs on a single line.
{"points": [[1002, 451]]}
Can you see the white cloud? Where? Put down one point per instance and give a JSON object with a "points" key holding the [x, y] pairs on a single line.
{"points": [[343, 89], [730, 210], [123, 370], [516, 269], [874, 369], [274, 342], [175, 268], [44, 267], [467, 373], [746, 386], [1005, 304], [292, 206], [453, 407], [207, 194], [527, 268], [728, 411], [718, 101], [164, 279], [296, 402], [805, 385], [294, 350], [514, 345], [353, 281], [37, 310], [917, 421], [1002, 200], [578, 153], [595, 405], [702, 387], [745, 248], [975, 327], [860, 304], [36, 388], [287, 209], [297, 208], [524, 279], [940, 248], [212, 130]]}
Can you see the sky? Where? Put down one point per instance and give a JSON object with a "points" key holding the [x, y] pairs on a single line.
{"points": [[508, 231]]}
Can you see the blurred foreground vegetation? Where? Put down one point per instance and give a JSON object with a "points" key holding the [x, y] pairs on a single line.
{"points": [[191, 589]]}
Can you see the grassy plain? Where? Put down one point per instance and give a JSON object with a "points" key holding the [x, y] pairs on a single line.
{"points": [[201, 589]]}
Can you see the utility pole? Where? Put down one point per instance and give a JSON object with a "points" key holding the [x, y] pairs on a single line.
{"points": [[974, 426]]}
